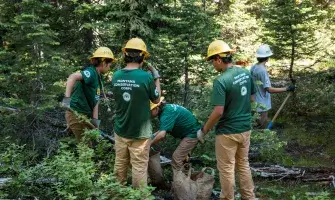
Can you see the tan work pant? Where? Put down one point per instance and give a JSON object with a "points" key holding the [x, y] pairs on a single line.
{"points": [[136, 153], [263, 121], [76, 126], [185, 146], [232, 151]]}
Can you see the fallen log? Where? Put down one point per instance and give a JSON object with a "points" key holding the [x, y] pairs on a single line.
{"points": [[303, 174]]}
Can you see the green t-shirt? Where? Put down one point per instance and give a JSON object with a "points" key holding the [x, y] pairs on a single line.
{"points": [[232, 89], [178, 121], [132, 91], [86, 93]]}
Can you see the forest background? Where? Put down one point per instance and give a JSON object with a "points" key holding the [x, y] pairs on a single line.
{"points": [[43, 41]]}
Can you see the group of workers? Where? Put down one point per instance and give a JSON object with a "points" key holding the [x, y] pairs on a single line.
{"points": [[137, 96]]}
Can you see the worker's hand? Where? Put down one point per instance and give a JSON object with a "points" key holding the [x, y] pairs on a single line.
{"points": [[201, 135], [66, 102], [154, 71], [290, 88], [96, 122]]}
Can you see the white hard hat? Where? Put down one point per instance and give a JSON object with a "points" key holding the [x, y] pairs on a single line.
{"points": [[263, 51]]}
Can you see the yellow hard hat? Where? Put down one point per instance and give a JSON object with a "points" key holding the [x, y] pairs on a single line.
{"points": [[154, 105], [218, 47], [103, 52], [138, 44]]}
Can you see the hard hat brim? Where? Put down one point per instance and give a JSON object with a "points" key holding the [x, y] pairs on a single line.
{"points": [[146, 54], [263, 55], [114, 59], [227, 52], [154, 105]]}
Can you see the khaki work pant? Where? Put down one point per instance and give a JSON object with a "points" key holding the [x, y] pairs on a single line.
{"points": [[232, 151], [77, 127], [185, 146], [263, 121], [136, 153]]}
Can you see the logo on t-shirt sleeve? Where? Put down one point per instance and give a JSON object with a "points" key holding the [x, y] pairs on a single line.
{"points": [[87, 74], [156, 92]]}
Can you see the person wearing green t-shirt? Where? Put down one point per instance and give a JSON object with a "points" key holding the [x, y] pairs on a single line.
{"points": [[83, 90], [133, 88], [178, 122], [233, 91]]}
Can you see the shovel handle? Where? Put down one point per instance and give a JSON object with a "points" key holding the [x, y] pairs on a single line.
{"points": [[280, 108]]}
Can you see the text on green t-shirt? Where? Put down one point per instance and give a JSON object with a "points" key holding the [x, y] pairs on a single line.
{"points": [[132, 91], [232, 89]]}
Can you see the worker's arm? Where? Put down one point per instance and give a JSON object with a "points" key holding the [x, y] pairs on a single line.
{"points": [[252, 98], [71, 80], [218, 101], [156, 76], [95, 114], [275, 90], [95, 121], [213, 119], [158, 136], [158, 86]]}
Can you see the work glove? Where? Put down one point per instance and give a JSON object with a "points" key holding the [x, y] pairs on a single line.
{"points": [[290, 88], [201, 135], [66, 102], [154, 71], [96, 122]]}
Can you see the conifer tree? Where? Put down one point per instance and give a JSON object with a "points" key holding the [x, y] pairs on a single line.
{"points": [[29, 49], [290, 29]]}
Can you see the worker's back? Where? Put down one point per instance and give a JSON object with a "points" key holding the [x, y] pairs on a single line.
{"points": [[236, 85], [132, 91]]}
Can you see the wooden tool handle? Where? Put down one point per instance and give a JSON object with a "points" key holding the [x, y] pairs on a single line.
{"points": [[282, 106]]}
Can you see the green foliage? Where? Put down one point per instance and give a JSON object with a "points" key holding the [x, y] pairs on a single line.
{"points": [[268, 145], [294, 29], [44, 41], [73, 173], [241, 29], [11, 158], [109, 188], [314, 96]]}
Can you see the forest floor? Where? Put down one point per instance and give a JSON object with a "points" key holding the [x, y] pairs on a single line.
{"points": [[309, 147]]}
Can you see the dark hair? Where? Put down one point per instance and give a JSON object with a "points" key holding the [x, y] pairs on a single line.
{"points": [[133, 56], [227, 59], [96, 61], [260, 60], [163, 103]]}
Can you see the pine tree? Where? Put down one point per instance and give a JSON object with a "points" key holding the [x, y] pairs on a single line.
{"points": [[181, 47], [240, 29], [29, 55], [290, 29]]}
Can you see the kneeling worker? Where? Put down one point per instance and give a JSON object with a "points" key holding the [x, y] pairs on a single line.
{"points": [[180, 123]]}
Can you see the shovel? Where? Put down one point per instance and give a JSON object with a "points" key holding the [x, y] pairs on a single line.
{"points": [[278, 111]]}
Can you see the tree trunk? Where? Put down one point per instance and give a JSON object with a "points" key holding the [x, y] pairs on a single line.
{"points": [[187, 81], [292, 56], [89, 37]]}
